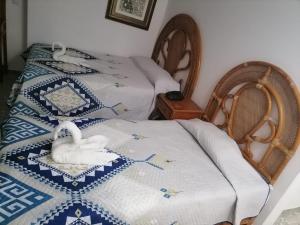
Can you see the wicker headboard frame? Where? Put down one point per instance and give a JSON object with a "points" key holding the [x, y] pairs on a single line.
{"points": [[255, 97], [180, 38]]}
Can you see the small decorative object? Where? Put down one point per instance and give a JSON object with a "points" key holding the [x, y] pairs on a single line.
{"points": [[137, 13]]}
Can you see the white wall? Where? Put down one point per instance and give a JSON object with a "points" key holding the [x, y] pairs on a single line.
{"points": [[290, 200], [234, 31], [82, 23], [16, 32]]}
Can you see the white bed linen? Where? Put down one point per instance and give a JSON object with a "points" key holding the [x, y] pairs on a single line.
{"points": [[251, 189], [113, 86]]}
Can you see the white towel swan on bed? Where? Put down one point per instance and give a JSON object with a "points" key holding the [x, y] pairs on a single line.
{"points": [[78, 150], [60, 55]]}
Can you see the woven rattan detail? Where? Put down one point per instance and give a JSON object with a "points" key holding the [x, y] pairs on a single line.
{"points": [[262, 96]]}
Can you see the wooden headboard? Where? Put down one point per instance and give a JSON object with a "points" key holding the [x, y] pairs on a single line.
{"points": [[259, 106], [178, 50]]}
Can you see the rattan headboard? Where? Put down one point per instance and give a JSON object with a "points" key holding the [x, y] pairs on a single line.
{"points": [[178, 50], [260, 104]]}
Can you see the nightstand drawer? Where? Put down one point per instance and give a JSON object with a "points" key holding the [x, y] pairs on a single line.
{"points": [[184, 115], [184, 109], [163, 108]]}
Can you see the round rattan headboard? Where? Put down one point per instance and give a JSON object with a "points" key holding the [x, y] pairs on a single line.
{"points": [[178, 49], [259, 104]]}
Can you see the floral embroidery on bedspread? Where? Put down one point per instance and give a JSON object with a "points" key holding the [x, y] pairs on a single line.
{"points": [[168, 193], [156, 160]]}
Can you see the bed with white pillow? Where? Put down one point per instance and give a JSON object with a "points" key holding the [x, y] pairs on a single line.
{"points": [[110, 86], [164, 176]]}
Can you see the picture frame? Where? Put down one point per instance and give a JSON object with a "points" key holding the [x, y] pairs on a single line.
{"points": [[137, 13]]}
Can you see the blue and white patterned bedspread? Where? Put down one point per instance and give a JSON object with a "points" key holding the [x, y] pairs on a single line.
{"points": [[112, 87], [163, 177]]}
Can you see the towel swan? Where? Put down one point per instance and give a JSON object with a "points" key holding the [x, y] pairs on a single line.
{"points": [[77, 150], [60, 55]]}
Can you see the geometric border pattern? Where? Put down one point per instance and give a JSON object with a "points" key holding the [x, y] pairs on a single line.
{"points": [[16, 130], [67, 68], [27, 160], [38, 53], [32, 71], [71, 51], [79, 212], [17, 198], [81, 123], [21, 108]]}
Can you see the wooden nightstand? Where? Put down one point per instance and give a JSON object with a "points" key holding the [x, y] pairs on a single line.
{"points": [[184, 109]]}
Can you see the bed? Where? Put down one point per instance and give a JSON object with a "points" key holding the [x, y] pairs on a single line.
{"points": [[111, 86], [169, 172]]}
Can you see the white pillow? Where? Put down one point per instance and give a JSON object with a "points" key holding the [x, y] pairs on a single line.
{"points": [[160, 78], [226, 155], [214, 141]]}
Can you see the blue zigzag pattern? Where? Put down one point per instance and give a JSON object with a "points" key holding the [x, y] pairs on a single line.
{"points": [[50, 121], [79, 213], [80, 123], [26, 159], [16, 130], [86, 122], [17, 198], [31, 71], [38, 53], [21, 108], [61, 67]]}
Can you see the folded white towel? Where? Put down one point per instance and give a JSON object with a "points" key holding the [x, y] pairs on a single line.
{"points": [[60, 55], [77, 150]]}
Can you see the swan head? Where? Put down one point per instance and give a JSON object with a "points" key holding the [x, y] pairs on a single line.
{"points": [[61, 52], [72, 128]]}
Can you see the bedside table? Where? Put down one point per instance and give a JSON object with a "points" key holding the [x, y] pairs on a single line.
{"points": [[184, 109]]}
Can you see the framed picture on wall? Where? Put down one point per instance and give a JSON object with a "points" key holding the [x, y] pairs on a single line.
{"points": [[137, 13]]}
